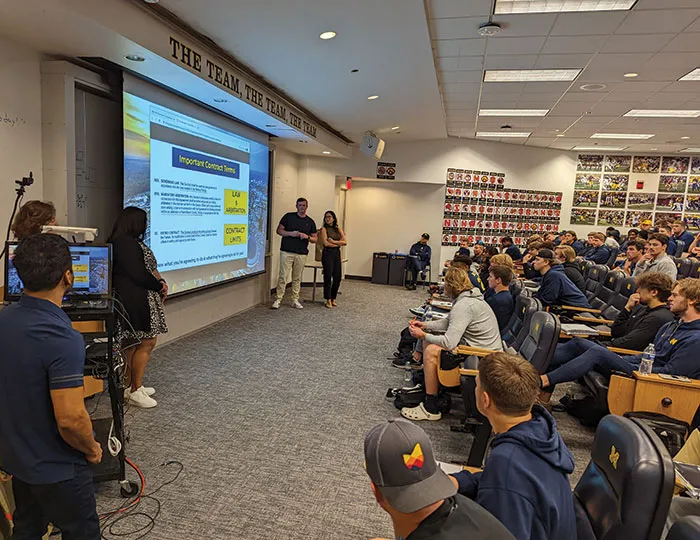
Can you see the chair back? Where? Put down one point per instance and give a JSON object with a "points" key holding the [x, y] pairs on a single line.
{"points": [[680, 248], [595, 280], [685, 267], [614, 252], [609, 290], [524, 308], [541, 340], [585, 267], [516, 286], [626, 288], [625, 492], [686, 528], [695, 269]]}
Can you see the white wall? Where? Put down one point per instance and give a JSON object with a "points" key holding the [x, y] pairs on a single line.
{"points": [[20, 125], [285, 182]]}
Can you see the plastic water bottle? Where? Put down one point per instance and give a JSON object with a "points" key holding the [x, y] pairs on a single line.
{"points": [[647, 360], [408, 374]]}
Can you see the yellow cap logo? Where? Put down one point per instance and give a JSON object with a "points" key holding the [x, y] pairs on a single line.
{"points": [[414, 461], [614, 457]]}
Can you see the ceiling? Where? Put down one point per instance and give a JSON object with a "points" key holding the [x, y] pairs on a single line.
{"points": [[658, 39]]}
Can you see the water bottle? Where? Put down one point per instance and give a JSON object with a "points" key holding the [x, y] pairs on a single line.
{"points": [[408, 374], [647, 360]]}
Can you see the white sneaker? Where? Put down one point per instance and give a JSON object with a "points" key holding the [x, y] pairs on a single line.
{"points": [[275, 304], [148, 389], [141, 399], [297, 304], [419, 413]]}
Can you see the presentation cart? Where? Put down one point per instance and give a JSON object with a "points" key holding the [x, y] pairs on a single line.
{"points": [[103, 363]]}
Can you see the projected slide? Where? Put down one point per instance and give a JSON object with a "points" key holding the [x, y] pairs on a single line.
{"points": [[205, 190]]}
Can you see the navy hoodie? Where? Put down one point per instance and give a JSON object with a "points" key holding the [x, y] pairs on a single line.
{"points": [[558, 290], [525, 481]]}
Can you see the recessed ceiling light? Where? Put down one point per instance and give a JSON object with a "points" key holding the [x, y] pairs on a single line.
{"points": [[691, 150], [151, 1], [514, 134], [531, 75], [134, 57], [652, 149], [636, 136], [662, 113], [593, 87], [600, 148], [489, 29], [692, 76], [354, 70], [328, 35], [560, 135], [372, 98], [326, 152], [220, 100], [685, 138], [504, 7], [395, 128], [513, 112], [631, 75]]}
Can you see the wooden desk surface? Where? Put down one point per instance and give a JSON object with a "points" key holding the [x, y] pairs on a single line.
{"points": [[655, 378]]}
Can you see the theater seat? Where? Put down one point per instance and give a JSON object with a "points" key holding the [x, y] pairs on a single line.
{"points": [[685, 267], [514, 334], [680, 248], [614, 252], [595, 280], [695, 269], [687, 528], [625, 491]]}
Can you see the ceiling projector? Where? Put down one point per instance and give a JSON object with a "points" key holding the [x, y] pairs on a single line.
{"points": [[372, 145]]}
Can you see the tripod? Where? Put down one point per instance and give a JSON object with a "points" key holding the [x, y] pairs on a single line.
{"points": [[23, 184]]}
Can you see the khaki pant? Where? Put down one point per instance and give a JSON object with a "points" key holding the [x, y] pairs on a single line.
{"points": [[290, 263], [690, 453]]}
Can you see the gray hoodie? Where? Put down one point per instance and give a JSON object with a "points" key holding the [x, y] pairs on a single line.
{"points": [[471, 322], [663, 264]]}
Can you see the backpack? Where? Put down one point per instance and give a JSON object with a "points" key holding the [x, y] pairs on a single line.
{"points": [[406, 344], [412, 397], [672, 432]]}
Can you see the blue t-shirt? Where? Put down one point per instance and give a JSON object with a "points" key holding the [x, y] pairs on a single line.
{"points": [[514, 253], [503, 306], [41, 352]]}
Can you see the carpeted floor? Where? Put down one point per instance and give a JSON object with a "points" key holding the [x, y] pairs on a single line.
{"points": [[267, 412]]}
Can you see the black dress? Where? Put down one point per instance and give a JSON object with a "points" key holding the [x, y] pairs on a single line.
{"points": [[137, 289]]}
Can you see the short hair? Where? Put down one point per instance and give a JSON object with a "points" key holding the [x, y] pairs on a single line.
{"points": [[635, 231], [534, 238], [466, 260], [503, 273], [31, 217], [658, 282], [568, 252], [638, 244], [689, 288], [457, 281], [548, 245], [41, 261], [597, 235], [679, 222], [510, 381], [502, 259], [535, 245], [301, 199], [506, 239], [659, 237]]}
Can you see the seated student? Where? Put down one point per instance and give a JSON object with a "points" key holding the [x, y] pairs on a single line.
{"points": [[470, 322], [463, 261], [479, 250], [525, 481], [612, 238], [679, 233], [419, 259], [420, 498], [631, 237], [599, 252], [672, 244], [529, 271], [556, 289], [694, 249], [676, 345], [552, 237], [634, 254], [500, 299], [510, 249], [567, 258], [645, 229], [570, 239], [464, 248], [655, 258]]}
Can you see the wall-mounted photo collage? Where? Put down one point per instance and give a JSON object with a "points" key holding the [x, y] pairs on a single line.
{"points": [[603, 196], [479, 208]]}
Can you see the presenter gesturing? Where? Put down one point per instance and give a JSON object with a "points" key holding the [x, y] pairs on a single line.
{"points": [[297, 230]]}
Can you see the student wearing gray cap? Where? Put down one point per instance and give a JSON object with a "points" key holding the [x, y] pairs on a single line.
{"points": [[420, 498]]}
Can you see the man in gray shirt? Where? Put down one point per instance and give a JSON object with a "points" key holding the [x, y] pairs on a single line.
{"points": [[655, 258], [470, 322]]}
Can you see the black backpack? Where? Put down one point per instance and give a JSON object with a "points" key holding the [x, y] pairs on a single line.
{"points": [[412, 397], [406, 344], [672, 432]]}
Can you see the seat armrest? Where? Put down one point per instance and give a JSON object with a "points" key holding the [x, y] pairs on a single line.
{"points": [[592, 320], [474, 351], [579, 309], [628, 352], [468, 372]]}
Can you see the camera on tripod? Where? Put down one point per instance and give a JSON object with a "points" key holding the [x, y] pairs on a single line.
{"points": [[26, 181]]}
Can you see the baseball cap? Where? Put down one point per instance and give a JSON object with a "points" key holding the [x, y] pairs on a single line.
{"points": [[399, 460], [546, 254], [646, 222], [425, 235]]}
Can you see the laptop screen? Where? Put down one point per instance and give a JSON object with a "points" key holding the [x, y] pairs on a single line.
{"points": [[92, 266]]}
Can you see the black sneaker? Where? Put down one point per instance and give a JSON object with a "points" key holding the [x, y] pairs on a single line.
{"points": [[401, 363]]}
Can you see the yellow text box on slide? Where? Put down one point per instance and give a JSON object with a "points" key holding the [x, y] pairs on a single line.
{"points": [[81, 268], [81, 279], [235, 202], [235, 234]]}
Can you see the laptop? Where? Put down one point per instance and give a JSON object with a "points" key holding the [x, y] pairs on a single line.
{"points": [[92, 268]]}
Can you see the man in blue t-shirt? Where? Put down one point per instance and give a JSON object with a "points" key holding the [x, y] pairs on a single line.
{"points": [[46, 437], [500, 299], [511, 249], [418, 260], [679, 233], [599, 252]]}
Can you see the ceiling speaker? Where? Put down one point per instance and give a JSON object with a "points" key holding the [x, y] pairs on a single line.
{"points": [[372, 145]]}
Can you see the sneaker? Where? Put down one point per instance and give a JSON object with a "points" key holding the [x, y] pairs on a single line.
{"points": [[401, 363], [148, 389], [275, 304], [296, 304], [139, 398], [418, 312], [419, 413]]}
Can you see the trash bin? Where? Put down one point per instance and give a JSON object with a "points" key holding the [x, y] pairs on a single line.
{"points": [[380, 268], [397, 268]]}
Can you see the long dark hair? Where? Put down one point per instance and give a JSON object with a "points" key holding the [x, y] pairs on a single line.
{"points": [[132, 222], [334, 225]]}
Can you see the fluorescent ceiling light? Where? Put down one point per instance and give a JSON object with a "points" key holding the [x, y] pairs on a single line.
{"points": [[600, 148], [636, 136], [395, 128], [372, 98], [531, 75], [326, 152], [691, 150], [513, 112], [504, 7], [328, 35], [660, 113], [631, 75], [685, 138], [515, 134], [692, 76]]}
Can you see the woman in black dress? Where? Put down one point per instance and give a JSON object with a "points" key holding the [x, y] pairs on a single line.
{"points": [[141, 290], [332, 238]]}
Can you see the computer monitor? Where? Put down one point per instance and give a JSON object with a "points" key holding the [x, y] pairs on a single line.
{"points": [[92, 268]]}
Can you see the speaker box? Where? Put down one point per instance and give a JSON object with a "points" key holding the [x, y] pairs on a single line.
{"points": [[372, 145]]}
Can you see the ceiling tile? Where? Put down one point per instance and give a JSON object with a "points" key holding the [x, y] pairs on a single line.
{"points": [[636, 43], [685, 42], [641, 86], [548, 98], [661, 21], [588, 97], [461, 28], [444, 9], [695, 27], [570, 109], [577, 24], [572, 44], [624, 62], [461, 98], [470, 63], [609, 108], [461, 76], [459, 47], [448, 64], [546, 87], [510, 61], [562, 61], [526, 24], [461, 88], [533, 141], [495, 103], [633, 98], [668, 66], [503, 87], [514, 45]]}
